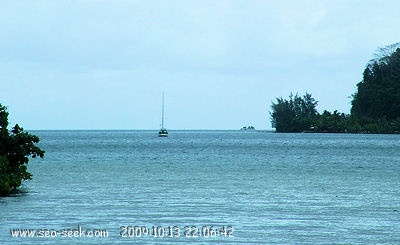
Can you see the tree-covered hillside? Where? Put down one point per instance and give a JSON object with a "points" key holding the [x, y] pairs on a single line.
{"points": [[378, 94], [375, 105]]}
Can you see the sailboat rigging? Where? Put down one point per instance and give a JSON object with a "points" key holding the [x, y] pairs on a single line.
{"points": [[163, 131]]}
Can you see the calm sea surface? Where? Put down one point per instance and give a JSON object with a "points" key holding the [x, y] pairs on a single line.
{"points": [[262, 187]]}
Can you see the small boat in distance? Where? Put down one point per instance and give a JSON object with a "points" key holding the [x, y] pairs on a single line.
{"points": [[163, 131]]}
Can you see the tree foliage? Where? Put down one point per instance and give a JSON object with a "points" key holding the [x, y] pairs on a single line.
{"points": [[16, 146], [295, 114]]}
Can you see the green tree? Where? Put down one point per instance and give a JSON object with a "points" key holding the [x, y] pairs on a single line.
{"points": [[16, 146], [295, 114]]}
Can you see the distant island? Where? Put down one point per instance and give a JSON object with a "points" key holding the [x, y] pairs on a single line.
{"points": [[375, 104], [248, 128]]}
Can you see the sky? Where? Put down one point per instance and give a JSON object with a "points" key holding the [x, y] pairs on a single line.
{"points": [[105, 64]]}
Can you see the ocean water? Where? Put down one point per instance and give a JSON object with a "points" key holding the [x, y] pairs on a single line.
{"points": [[230, 187]]}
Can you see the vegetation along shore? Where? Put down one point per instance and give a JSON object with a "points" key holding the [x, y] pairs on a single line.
{"points": [[375, 106]]}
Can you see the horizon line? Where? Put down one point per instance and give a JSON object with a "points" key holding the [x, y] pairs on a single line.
{"points": [[110, 129]]}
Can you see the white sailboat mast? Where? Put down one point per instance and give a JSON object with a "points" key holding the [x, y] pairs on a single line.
{"points": [[162, 116]]}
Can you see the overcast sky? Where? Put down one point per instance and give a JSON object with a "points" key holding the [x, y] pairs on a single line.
{"points": [[104, 64]]}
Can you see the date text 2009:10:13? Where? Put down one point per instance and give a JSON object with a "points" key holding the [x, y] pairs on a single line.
{"points": [[175, 231]]}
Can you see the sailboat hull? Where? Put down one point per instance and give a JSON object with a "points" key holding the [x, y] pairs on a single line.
{"points": [[163, 133]]}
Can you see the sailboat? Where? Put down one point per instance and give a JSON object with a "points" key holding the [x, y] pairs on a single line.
{"points": [[163, 131]]}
